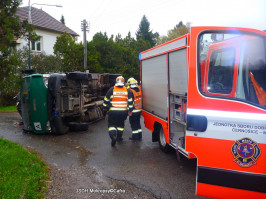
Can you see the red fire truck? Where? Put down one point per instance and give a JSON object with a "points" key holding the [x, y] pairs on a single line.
{"points": [[204, 95]]}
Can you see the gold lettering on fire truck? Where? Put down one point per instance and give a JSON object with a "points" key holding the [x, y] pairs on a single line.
{"points": [[245, 152]]}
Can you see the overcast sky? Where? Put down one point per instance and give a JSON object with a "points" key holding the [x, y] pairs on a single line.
{"points": [[122, 16]]}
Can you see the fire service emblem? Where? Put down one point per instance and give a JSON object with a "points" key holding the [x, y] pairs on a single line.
{"points": [[245, 152]]}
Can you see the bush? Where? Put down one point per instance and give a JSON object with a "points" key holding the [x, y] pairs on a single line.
{"points": [[11, 80]]}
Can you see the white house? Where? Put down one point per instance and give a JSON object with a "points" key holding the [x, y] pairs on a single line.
{"points": [[45, 26]]}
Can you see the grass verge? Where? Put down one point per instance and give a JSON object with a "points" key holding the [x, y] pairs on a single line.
{"points": [[22, 174], [8, 108]]}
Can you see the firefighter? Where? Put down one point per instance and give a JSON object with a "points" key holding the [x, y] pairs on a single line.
{"points": [[134, 119], [119, 102]]}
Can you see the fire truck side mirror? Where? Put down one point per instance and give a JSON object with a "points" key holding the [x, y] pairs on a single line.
{"points": [[196, 123]]}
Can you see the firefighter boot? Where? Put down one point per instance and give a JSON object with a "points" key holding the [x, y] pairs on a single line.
{"points": [[134, 137], [113, 138]]}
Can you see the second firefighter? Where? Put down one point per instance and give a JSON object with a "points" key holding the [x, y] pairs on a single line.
{"points": [[134, 119]]}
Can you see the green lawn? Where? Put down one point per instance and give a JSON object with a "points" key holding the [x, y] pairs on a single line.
{"points": [[8, 108], [22, 174]]}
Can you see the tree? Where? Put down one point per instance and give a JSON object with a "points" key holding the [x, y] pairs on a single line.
{"points": [[40, 62], [145, 33], [179, 24], [62, 20], [113, 55], [11, 29], [70, 52], [179, 30]]}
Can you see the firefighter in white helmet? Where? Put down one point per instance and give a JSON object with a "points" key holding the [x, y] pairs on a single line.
{"points": [[134, 119], [119, 102]]}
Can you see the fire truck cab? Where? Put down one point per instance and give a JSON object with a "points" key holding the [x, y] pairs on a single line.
{"points": [[204, 95]]}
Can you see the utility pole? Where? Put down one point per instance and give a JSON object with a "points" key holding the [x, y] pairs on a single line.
{"points": [[30, 22], [85, 28]]}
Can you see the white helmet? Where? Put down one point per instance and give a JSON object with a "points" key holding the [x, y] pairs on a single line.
{"points": [[120, 81]]}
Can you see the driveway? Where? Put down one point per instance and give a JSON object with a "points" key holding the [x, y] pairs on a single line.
{"points": [[84, 165]]}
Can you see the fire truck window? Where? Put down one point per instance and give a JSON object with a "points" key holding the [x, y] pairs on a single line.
{"points": [[233, 61], [221, 71], [252, 72]]}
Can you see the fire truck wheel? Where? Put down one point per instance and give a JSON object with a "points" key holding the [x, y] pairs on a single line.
{"points": [[78, 126], [163, 144]]}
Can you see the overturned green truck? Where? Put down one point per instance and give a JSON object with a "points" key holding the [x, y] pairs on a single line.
{"points": [[58, 103]]}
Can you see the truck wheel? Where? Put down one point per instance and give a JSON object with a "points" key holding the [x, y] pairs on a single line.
{"points": [[78, 126], [163, 144], [58, 126]]}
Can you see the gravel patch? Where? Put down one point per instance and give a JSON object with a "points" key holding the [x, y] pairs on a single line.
{"points": [[86, 183]]}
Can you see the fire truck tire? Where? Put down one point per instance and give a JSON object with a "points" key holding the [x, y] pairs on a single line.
{"points": [[163, 144], [78, 126]]}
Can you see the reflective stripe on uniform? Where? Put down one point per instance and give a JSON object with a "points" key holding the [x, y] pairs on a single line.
{"points": [[130, 100], [111, 129], [119, 106], [121, 109], [120, 129], [123, 97], [136, 110], [118, 102], [137, 131], [106, 99], [104, 105]]}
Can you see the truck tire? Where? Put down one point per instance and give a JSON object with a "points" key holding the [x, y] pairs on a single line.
{"points": [[58, 126], [78, 126], [163, 144]]}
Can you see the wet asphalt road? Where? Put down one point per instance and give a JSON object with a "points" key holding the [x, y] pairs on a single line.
{"points": [[141, 165]]}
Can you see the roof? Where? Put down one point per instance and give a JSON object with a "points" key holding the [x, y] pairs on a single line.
{"points": [[43, 20]]}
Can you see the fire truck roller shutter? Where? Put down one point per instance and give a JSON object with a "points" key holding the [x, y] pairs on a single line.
{"points": [[154, 85], [178, 71]]}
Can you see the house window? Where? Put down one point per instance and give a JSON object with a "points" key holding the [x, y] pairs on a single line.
{"points": [[36, 46]]}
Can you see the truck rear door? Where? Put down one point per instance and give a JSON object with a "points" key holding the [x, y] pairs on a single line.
{"points": [[226, 111]]}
